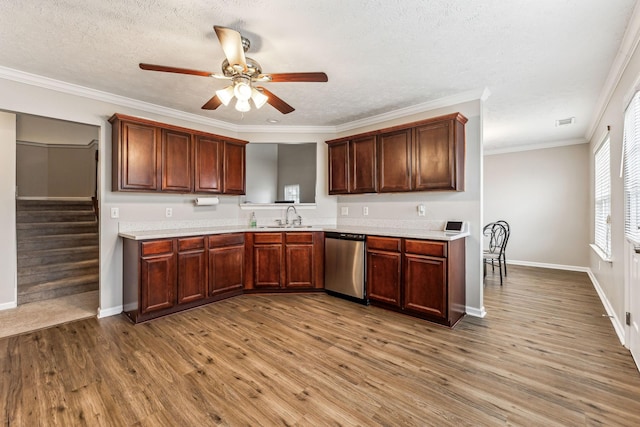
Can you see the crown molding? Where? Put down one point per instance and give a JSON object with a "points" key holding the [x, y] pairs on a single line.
{"points": [[85, 92], [629, 44], [447, 101], [98, 95], [91, 144], [534, 146]]}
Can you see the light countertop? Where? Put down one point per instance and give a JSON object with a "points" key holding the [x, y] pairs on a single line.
{"points": [[413, 233]]}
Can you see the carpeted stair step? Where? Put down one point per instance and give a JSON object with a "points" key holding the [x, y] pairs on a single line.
{"points": [[39, 205], [29, 259], [54, 216], [51, 272], [36, 243], [48, 228], [57, 288]]}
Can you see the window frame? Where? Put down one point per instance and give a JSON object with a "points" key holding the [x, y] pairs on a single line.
{"points": [[602, 198]]}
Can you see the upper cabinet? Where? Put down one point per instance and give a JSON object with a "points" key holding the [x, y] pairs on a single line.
{"points": [[155, 157], [394, 161], [423, 156]]}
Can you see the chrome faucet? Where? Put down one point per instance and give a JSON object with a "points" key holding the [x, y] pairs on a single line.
{"points": [[298, 219]]}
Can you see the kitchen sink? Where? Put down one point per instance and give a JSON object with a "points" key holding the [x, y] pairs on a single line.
{"points": [[283, 227]]}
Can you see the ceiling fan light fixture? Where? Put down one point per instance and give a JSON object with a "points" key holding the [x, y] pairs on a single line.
{"points": [[242, 90], [242, 105], [258, 97], [225, 95]]}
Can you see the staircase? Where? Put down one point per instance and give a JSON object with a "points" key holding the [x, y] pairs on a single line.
{"points": [[57, 249]]}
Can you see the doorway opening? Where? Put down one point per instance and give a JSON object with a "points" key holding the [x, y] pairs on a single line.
{"points": [[57, 221]]}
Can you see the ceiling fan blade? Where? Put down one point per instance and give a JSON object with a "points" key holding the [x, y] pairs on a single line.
{"points": [[166, 69], [298, 77], [231, 42], [212, 104], [276, 102]]}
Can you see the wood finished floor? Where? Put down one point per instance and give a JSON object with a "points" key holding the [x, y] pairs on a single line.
{"points": [[543, 356]]}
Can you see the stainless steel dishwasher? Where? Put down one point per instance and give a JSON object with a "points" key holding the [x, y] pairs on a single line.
{"points": [[344, 266]]}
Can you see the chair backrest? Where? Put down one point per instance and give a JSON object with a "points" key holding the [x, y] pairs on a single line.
{"points": [[498, 236], [505, 224]]}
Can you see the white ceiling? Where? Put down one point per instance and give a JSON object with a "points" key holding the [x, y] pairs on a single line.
{"points": [[541, 60]]}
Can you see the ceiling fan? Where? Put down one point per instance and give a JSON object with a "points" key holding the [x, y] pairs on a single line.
{"points": [[243, 73]]}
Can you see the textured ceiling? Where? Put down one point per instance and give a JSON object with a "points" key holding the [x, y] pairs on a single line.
{"points": [[542, 60]]}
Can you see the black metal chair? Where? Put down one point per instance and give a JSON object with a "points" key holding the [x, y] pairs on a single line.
{"points": [[505, 224], [497, 235]]}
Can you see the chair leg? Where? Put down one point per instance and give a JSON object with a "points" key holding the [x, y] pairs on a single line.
{"points": [[500, 268], [504, 261]]}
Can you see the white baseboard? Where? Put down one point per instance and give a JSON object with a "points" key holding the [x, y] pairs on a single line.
{"points": [[545, 265], [617, 325], [476, 312], [111, 311], [8, 305]]}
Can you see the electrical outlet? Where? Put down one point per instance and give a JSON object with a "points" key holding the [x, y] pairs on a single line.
{"points": [[344, 211], [421, 210], [365, 210], [168, 212], [115, 213]]}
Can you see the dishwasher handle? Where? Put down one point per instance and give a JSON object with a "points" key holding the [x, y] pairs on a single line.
{"points": [[344, 236]]}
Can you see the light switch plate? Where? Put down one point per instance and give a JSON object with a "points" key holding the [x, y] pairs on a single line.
{"points": [[421, 210], [115, 213], [344, 211]]}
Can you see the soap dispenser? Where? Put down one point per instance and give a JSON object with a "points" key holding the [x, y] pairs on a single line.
{"points": [[253, 222]]}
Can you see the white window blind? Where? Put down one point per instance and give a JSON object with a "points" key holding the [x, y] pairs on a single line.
{"points": [[603, 198], [631, 169]]}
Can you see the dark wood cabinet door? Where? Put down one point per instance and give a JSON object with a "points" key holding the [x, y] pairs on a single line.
{"points": [[339, 168], [383, 277], [226, 269], [434, 156], [394, 161], [267, 266], [139, 153], [234, 168], [157, 283], [208, 155], [299, 266], [425, 285], [192, 269], [362, 157], [176, 158]]}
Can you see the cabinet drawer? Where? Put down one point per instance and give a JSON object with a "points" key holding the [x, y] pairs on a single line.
{"points": [[267, 238], [291, 237], [226, 240], [426, 247], [156, 247], [190, 243], [384, 243]]}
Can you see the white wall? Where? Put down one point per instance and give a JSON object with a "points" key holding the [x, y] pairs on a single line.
{"points": [[262, 173], [8, 256], [611, 276], [544, 196]]}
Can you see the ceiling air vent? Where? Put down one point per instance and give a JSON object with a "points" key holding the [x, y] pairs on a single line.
{"points": [[565, 122]]}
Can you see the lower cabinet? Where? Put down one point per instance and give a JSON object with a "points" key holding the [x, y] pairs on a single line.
{"points": [[284, 261], [422, 278], [226, 264], [192, 269], [384, 261], [169, 275], [157, 276]]}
